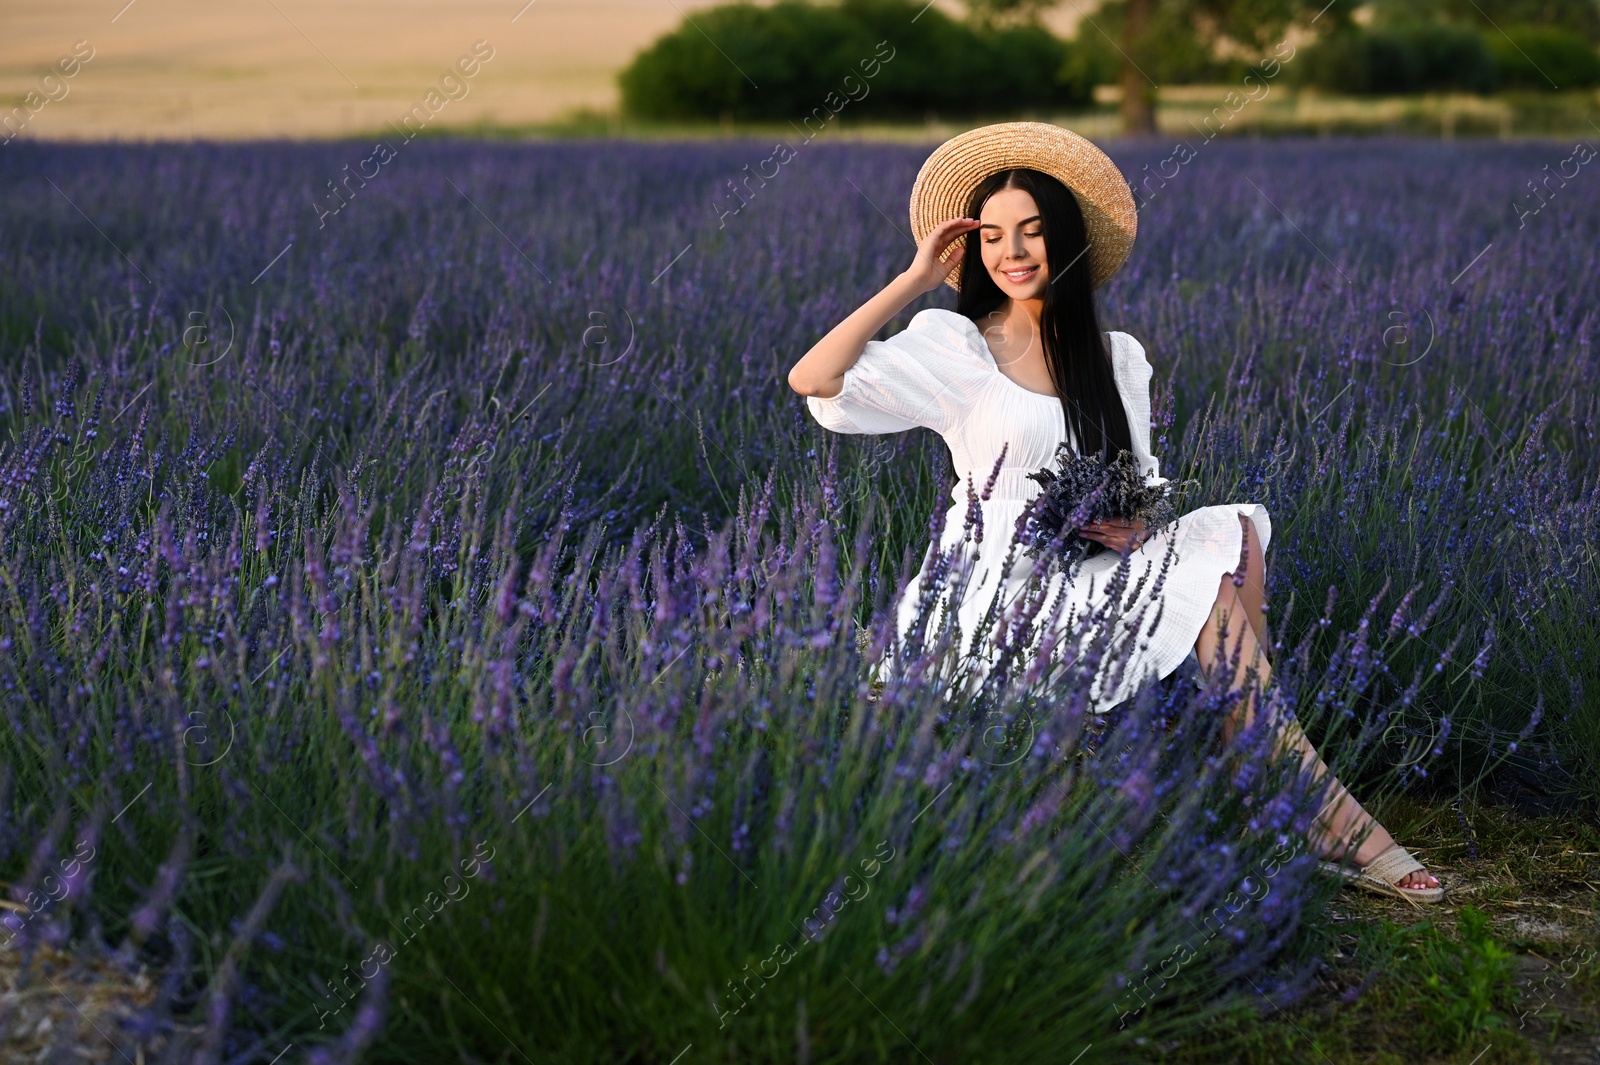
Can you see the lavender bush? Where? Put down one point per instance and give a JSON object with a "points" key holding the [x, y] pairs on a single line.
{"points": [[442, 634]]}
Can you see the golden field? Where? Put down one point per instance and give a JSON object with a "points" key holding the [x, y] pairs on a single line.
{"points": [[179, 69]]}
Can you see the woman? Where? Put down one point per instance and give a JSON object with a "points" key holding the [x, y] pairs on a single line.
{"points": [[1020, 367]]}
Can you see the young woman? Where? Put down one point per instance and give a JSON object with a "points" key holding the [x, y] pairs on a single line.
{"points": [[1044, 218]]}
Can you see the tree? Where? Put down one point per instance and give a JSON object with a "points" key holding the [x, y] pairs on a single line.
{"points": [[1146, 32]]}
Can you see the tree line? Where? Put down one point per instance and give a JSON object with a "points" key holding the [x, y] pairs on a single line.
{"points": [[740, 61]]}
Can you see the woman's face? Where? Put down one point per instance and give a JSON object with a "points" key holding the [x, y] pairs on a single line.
{"points": [[1011, 237]]}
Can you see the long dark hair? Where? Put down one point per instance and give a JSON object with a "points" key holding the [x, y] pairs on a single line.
{"points": [[1075, 353]]}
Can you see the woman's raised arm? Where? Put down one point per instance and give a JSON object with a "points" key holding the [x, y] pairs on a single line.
{"points": [[820, 371]]}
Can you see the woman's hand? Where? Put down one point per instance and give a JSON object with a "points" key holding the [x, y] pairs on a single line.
{"points": [[820, 371], [930, 267], [1123, 537]]}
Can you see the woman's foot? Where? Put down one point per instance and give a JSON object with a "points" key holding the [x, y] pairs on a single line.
{"points": [[1367, 853], [1342, 821]]}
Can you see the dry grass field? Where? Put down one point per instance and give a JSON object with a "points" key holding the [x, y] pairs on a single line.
{"points": [[180, 69]]}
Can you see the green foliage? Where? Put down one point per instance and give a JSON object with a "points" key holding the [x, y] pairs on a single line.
{"points": [[1458, 986], [1086, 66], [1581, 17], [1433, 46], [788, 51], [1090, 61], [1543, 57], [1170, 52], [794, 59], [1400, 60], [1468, 978]]}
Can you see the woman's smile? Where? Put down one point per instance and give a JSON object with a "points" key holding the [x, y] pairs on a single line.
{"points": [[1021, 275]]}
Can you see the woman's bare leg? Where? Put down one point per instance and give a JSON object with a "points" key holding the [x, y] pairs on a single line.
{"points": [[1343, 819]]}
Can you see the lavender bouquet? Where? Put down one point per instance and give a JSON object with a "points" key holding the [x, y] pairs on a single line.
{"points": [[1082, 489]]}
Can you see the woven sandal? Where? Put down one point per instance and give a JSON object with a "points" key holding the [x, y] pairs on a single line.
{"points": [[1380, 874]]}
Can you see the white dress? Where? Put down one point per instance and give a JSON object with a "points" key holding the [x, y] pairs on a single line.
{"points": [[939, 373]]}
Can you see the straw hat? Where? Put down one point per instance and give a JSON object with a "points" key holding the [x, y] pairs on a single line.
{"points": [[956, 167]]}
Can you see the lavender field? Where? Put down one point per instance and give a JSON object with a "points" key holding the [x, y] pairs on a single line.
{"points": [[428, 621]]}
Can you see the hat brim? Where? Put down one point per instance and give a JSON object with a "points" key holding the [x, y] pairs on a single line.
{"points": [[946, 180]]}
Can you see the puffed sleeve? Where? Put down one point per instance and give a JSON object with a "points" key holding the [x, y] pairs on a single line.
{"points": [[915, 378], [1133, 382]]}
